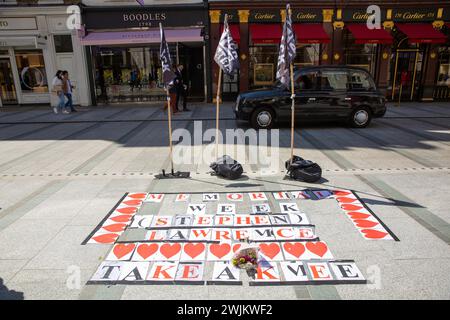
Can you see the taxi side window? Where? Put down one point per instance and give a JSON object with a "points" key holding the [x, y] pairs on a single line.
{"points": [[360, 81], [333, 80], [306, 81]]}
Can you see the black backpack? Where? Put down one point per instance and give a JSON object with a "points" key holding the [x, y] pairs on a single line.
{"points": [[304, 170], [227, 167]]}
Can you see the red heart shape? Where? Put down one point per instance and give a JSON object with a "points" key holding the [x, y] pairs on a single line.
{"points": [[270, 250], [350, 207], [358, 215], [194, 249], [168, 250], [133, 202], [294, 248], [127, 210], [122, 218], [346, 200], [374, 234], [236, 247], [116, 227], [340, 193], [365, 223], [318, 248], [106, 238], [146, 250], [121, 250], [220, 250], [137, 195]]}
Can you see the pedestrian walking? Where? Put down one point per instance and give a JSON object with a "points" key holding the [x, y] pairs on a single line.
{"points": [[181, 87], [67, 88], [57, 84]]}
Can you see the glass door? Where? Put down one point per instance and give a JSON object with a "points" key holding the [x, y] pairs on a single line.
{"points": [[406, 74], [7, 88]]}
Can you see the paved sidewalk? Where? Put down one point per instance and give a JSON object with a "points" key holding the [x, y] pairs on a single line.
{"points": [[61, 174]]}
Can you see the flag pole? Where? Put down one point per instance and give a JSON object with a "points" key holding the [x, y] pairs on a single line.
{"points": [[168, 76], [288, 12], [292, 110], [169, 119], [219, 83]]}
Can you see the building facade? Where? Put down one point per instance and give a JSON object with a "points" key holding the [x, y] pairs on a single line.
{"points": [[408, 55], [34, 43], [114, 57], [122, 42]]}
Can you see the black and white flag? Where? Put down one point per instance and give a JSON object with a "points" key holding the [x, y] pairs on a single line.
{"points": [[166, 62], [226, 54], [287, 50]]}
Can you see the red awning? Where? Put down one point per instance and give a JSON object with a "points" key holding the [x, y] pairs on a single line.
{"points": [[362, 34], [265, 33], [235, 32], [310, 33], [421, 33]]}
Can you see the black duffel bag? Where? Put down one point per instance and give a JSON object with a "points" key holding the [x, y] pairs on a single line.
{"points": [[304, 170], [227, 167]]}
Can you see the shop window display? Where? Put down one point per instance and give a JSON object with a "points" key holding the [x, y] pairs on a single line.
{"points": [[31, 68], [128, 74], [264, 58], [443, 78], [263, 61], [307, 54], [360, 55]]}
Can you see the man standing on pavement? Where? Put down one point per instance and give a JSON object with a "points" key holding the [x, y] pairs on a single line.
{"points": [[57, 89], [181, 87], [67, 88]]}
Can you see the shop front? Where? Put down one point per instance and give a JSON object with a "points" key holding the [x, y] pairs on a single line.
{"points": [[356, 45], [418, 41], [259, 33], [34, 43], [123, 46], [441, 91], [407, 54]]}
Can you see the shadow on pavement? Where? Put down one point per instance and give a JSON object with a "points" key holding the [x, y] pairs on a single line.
{"points": [[6, 294], [331, 135], [392, 202]]}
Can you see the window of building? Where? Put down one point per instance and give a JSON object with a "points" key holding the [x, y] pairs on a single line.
{"points": [[443, 78], [31, 68], [359, 55], [307, 54], [129, 74], [63, 43], [264, 59], [263, 64]]}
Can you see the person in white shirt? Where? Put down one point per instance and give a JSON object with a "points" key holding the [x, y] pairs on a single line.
{"points": [[57, 89]]}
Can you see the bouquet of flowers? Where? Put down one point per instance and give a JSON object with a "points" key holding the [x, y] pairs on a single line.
{"points": [[246, 257]]}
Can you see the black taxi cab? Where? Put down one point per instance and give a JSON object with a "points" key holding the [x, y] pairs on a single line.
{"points": [[321, 93]]}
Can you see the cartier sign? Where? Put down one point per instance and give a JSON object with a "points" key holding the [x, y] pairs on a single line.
{"points": [[298, 15], [307, 15], [359, 15], [415, 15], [264, 16]]}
